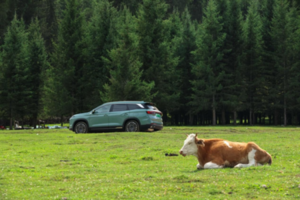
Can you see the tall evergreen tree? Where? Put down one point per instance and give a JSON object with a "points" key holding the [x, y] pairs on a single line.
{"points": [[64, 89], [295, 71], [37, 63], [266, 13], [244, 7], [282, 32], [25, 9], [208, 68], [197, 9], [125, 67], [100, 38], [252, 66], [13, 72], [294, 41], [3, 18], [185, 44], [232, 47], [132, 5], [155, 53], [47, 15]]}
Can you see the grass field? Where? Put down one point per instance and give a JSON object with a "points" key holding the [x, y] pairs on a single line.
{"points": [[58, 164]]}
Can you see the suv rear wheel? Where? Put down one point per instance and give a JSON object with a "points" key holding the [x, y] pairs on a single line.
{"points": [[81, 127], [132, 126]]}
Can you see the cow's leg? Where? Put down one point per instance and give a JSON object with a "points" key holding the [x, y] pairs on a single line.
{"points": [[251, 159], [211, 165], [199, 166]]}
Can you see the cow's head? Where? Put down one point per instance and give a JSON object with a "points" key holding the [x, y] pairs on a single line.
{"points": [[190, 145]]}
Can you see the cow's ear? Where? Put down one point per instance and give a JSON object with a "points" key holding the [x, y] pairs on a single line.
{"points": [[200, 143]]}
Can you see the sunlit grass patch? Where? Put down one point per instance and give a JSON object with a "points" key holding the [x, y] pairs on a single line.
{"points": [[57, 164]]}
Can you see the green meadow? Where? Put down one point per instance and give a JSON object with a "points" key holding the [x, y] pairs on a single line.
{"points": [[58, 164]]}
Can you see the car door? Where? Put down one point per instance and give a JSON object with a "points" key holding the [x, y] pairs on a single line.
{"points": [[99, 117], [117, 115]]}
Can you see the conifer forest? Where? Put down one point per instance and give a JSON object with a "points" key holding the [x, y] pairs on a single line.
{"points": [[202, 62]]}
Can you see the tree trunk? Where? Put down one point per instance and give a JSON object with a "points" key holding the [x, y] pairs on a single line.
{"points": [[10, 123], [213, 112], [62, 120], [250, 117], [223, 117], [191, 119], [241, 118], [284, 112], [234, 117], [276, 117]]}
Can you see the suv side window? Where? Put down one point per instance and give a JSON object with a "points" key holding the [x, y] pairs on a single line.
{"points": [[119, 107], [103, 109]]}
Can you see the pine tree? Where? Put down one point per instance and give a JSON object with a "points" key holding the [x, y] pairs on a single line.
{"points": [[184, 44], [25, 9], [156, 54], [13, 79], [3, 18], [125, 67], [252, 68], [132, 5], [232, 47], [47, 15], [294, 41], [266, 13], [65, 88], [100, 37], [295, 71], [245, 7], [197, 9], [37, 63], [208, 68], [282, 32]]}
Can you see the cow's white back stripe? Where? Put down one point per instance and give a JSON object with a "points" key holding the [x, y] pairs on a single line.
{"points": [[227, 144]]}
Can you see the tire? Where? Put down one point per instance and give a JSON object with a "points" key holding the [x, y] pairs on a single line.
{"points": [[81, 127], [132, 126]]}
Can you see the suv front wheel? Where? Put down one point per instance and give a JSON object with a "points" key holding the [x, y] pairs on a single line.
{"points": [[132, 126], [81, 127]]}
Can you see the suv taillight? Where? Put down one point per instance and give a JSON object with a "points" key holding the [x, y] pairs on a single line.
{"points": [[153, 113]]}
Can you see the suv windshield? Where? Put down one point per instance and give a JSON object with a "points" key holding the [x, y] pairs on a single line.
{"points": [[103, 109]]}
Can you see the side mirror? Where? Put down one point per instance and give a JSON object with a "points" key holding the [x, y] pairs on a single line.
{"points": [[93, 112]]}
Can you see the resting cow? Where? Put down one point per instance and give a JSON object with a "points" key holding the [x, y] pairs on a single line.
{"points": [[219, 153]]}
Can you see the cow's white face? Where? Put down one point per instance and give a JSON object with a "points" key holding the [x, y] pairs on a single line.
{"points": [[189, 146]]}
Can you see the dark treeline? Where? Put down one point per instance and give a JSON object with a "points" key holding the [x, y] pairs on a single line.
{"points": [[202, 62]]}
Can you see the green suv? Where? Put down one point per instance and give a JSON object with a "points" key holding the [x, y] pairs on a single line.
{"points": [[131, 116]]}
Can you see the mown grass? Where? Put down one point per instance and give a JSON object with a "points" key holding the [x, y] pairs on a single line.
{"points": [[58, 164]]}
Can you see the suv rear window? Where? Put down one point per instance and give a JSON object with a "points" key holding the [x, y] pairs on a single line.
{"points": [[150, 107], [134, 106]]}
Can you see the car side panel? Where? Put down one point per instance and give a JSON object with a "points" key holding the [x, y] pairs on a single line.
{"points": [[98, 120], [117, 118], [141, 115]]}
